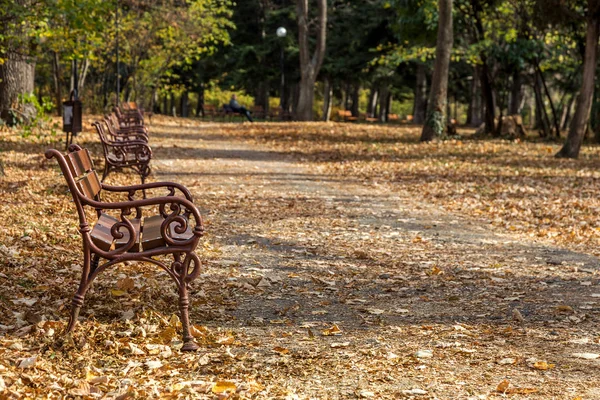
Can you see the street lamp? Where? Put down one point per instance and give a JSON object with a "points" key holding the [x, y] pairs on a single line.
{"points": [[281, 33]]}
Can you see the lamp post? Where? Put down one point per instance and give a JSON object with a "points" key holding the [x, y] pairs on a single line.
{"points": [[117, 50], [281, 33]]}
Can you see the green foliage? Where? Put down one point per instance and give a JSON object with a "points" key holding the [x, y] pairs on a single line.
{"points": [[41, 124]]}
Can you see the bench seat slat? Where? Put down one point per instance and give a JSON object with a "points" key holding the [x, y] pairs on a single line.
{"points": [[102, 237]]}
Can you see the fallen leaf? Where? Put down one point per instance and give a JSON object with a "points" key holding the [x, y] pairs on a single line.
{"points": [[27, 362], [502, 386], [543, 365], [333, 331], [224, 386], [281, 350]]}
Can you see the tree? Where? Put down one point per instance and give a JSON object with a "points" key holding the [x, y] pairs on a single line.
{"points": [[17, 61], [584, 101], [435, 123], [309, 64]]}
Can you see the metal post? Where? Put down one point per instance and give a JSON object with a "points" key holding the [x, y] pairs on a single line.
{"points": [[117, 49], [281, 99]]}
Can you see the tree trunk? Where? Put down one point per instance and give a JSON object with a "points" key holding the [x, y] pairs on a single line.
{"points": [[173, 105], [355, 100], [382, 113], [438, 96], [57, 83], [475, 109], [420, 104], [566, 114], [584, 101], [309, 65], [261, 98], [372, 105], [327, 96], [85, 65], [184, 103], [200, 104], [541, 116], [16, 78], [515, 93], [484, 74], [552, 108]]}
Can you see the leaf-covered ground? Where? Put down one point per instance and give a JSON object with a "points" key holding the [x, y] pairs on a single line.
{"points": [[342, 261]]}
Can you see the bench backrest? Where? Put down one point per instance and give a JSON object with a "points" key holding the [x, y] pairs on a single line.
{"points": [[82, 171], [78, 169]]}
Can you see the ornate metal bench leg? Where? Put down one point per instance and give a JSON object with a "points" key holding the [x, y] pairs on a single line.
{"points": [[83, 287], [184, 302]]}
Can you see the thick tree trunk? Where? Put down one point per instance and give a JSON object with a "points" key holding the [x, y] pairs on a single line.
{"points": [[327, 97], [16, 78], [261, 99], [438, 96], [484, 74], [420, 104], [584, 101], [56, 77], [309, 65]]}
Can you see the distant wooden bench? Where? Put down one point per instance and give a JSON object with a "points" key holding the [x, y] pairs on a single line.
{"points": [[346, 116], [123, 151], [393, 118], [117, 235], [367, 118], [209, 111]]}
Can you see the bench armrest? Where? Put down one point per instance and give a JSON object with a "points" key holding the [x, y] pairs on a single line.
{"points": [[152, 185]]}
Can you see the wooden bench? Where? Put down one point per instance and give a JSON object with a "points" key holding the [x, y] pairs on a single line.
{"points": [[393, 118], [365, 117], [209, 110], [141, 131], [346, 116], [129, 117], [123, 151], [128, 230]]}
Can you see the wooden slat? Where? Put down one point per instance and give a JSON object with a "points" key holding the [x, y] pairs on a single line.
{"points": [[125, 239], [180, 236], [100, 234], [102, 237], [151, 237], [80, 162], [90, 185]]}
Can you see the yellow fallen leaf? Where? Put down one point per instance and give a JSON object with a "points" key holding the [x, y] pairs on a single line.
{"points": [[117, 292], [333, 331], [223, 386], [198, 331], [226, 340], [502, 386], [280, 350], [521, 391], [564, 309], [167, 335], [543, 365]]}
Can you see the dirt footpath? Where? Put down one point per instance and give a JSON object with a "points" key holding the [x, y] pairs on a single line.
{"points": [[337, 289]]}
